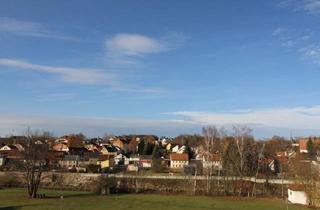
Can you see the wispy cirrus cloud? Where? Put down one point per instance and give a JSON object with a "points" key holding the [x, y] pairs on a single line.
{"points": [[291, 37], [80, 76], [32, 29], [295, 117], [122, 49], [301, 42], [264, 122], [66, 74], [309, 6], [311, 52]]}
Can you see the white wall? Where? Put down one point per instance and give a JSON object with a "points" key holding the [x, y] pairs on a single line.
{"points": [[299, 197]]}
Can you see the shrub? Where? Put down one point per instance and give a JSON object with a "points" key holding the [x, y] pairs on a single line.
{"points": [[9, 180]]}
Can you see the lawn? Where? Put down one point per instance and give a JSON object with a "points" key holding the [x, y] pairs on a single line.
{"points": [[15, 199]]}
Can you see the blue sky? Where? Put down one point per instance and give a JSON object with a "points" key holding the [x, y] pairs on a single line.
{"points": [[163, 67]]}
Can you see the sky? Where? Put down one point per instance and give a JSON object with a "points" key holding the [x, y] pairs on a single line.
{"points": [[160, 67]]}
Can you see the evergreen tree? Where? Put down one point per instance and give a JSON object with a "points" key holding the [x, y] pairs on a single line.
{"points": [[156, 152], [146, 148], [188, 150], [141, 146]]}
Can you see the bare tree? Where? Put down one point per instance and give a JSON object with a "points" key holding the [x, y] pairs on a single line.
{"points": [[240, 133], [212, 145], [34, 161], [260, 154]]}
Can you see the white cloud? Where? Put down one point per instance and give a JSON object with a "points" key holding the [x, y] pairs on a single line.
{"points": [[309, 6], [33, 29], [83, 76], [302, 43], [300, 121], [133, 45], [16, 124], [311, 52], [128, 49], [70, 75], [295, 118], [312, 6]]}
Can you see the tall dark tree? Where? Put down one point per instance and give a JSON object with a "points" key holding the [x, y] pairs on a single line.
{"points": [[230, 157], [141, 147], [148, 148], [188, 149], [156, 152]]}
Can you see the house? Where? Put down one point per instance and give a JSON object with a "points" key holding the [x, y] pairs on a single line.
{"points": [[145, 161], [8, 148], [19, 147], [175, 149], [133, 163], [105, 161], [38, 142], [121, 160], [81, 151], [134, 159], [303, 148], [297, 195], [178, 149], [12, 154], [69, 162], [109, 150], [60, 147], [178, 161], [91, 147], [91, 158], [73, 140], [211, 163]]}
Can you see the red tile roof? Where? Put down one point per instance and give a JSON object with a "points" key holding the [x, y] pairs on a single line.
{"points": [[179, 157]]}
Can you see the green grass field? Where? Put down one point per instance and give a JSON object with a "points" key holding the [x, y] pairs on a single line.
{"points": [[12, 199]]}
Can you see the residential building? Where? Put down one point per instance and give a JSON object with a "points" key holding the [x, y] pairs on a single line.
{"points": [[145, 161], [105, 161], [211, 163], [297, 195], [303, 148], [178, 161], [70, 162], [8, 148], [60, 147], [109, 150], [121, 160]]}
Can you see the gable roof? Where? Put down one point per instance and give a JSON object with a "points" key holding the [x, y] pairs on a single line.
{"points": [[179, 157]]}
